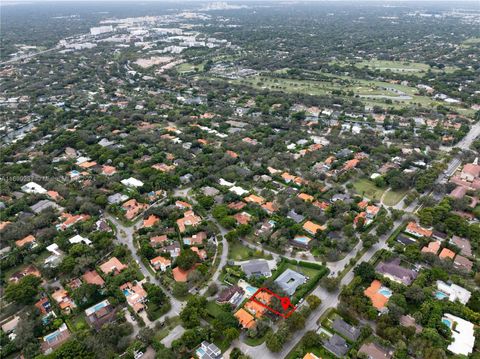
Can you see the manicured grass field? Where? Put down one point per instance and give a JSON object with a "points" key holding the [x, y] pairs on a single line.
{"points": [[368, 90], [187, 67], [368, 189], [214, 309], [393, 197], [238, 252]]}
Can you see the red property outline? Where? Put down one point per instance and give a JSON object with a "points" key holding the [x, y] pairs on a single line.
{"points": [[263, 289]]}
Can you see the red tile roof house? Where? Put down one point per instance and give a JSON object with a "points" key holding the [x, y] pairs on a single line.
{"points": [[113, 265], [63, 300], [150, 221], [29, 270], [158, 241], [202, 253], [69, 220], [432, 247], [181, 275], [92, 277], [133, 208], [135, 294], [189, 219], [28, 240], [415, 230], [242, 218], [160, 263], [196, 239], [183, 205]]}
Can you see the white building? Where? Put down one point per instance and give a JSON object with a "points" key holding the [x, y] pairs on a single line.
{"points": [[239, 191], [132, 182], [462, 334], [32, 187], [101, 30], [454, 292], [79, 239]]}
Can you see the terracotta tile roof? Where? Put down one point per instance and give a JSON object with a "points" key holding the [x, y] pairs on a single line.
{"points": [[242, 218], [446, 253], [92, 277], [189, 219], [312, 228], [158, 240], [150, 221], [350, 164], [236, 205], [54, 195], [310, 356], [27, 240], [181, 275], [379, 301], [159, 261], [415, 229], [254, 199], [306, 197], [270, 207], [3, 224], [112, 265], [232, 154], [202, 253], [182, 204], [108, 170], [322, 205], [432, 247], [362, 204], [245, 319]]}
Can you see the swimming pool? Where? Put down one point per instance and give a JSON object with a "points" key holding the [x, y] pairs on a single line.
{"points": [[440, 295], [126, 292], [52, 336], [251, 290], [99, 306], [200, 352], [303, 240], [385, 292], [447, 322]]}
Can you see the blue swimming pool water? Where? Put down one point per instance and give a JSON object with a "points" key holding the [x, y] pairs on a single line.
{"points": [[126, 292], [51, 337], [440, 295], [200, 352], [251, 289], [386, 292], [302, 239], [447, 322], [99, 306]]}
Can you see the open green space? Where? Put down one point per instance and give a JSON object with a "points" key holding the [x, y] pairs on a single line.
{"points": [[391, 197], [187, 67], [372, 93], [406, 67], [368, 189], [238, 252]]}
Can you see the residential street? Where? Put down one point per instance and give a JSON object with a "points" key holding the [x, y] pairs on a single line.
{"points": [[125, 236]]}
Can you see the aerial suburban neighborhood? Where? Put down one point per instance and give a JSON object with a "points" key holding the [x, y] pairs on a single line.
{"points": [[240, 180]]}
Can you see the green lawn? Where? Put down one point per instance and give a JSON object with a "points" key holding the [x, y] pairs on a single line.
{"points": [[393, 197], [253, 342], [238, 252], [165, 330], [367, 89], [187, 67], [214, 309], [368, 189]]}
